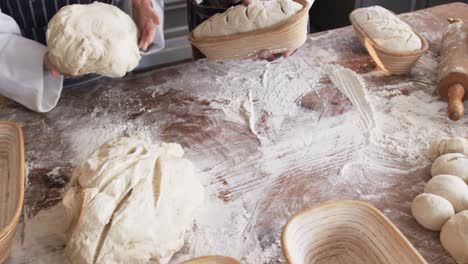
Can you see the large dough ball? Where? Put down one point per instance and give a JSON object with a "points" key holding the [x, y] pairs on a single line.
{"points": [[131, 201], [454, 237], [431, 211], [451, 188], [94, 38], [449, 145], [453, 164]]}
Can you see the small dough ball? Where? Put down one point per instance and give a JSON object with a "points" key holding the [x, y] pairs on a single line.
{"points": [[431, 211], [453, 164], [454, 237], [451, 188], [95, 38], [448, 145]]}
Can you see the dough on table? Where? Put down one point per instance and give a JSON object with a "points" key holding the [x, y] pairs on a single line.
{"points": [[451, 188], [239, 19], [431, 211], [386, 29], [129, 202], [453, 164], [448, 145], [454, 237], [95, 38]]}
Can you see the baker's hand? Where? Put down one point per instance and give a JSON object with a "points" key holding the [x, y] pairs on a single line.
{"points": [[266, 54], [50, 67], [146, 20]]}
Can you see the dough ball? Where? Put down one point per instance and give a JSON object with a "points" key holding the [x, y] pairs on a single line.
{"points": [[451, 188], [453, 164], [431, 211], [131, 201], [95, 38], [448, 145], [239, 19], [454, 237]]}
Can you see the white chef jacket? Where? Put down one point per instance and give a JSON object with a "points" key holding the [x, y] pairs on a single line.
{"points": [[22, 74]]}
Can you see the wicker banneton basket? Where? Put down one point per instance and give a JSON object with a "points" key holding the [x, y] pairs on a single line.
{"points": [[390, 62], [345, 232], [286, 36], [11, 184]]}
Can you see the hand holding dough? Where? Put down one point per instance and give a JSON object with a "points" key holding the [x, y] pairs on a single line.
{"points": [[95, 38], [453, 164]]}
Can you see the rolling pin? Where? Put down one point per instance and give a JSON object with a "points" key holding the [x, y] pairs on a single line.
{"points": [[453, 68]]}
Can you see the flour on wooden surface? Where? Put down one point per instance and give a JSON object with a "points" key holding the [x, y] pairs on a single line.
{"points": [[354, 88], [404, 119]]}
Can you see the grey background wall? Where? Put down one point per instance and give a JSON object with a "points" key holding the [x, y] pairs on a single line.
{"points": [[325, 14]]}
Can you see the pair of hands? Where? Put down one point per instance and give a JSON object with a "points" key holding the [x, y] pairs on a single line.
{"points": [[145, 18]]}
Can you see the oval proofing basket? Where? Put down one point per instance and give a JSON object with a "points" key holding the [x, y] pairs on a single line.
{"points": [[390, 62], [11, 184], [287, 36], [345, 232]]}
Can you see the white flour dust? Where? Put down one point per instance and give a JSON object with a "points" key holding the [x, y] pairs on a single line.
{"points": [[354, 88], [377, 128], [248, 111], [40, 239]]}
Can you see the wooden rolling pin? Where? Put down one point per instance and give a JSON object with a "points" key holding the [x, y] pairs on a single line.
{"points": [[453, 69]]}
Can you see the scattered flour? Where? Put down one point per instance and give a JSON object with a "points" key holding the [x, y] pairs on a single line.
{"points": [[41, 239], [354, 88], [248, 111], [94, 133], [388, 130]]}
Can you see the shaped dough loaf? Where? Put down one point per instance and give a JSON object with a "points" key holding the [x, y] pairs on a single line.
{"points": [[452, 164], [239, 19], [448, 145], [130, 202], [94, 38], [386, 29]]}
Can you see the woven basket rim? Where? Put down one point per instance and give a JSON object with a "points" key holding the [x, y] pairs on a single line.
{"points": [[350, 204], [8, 229]]}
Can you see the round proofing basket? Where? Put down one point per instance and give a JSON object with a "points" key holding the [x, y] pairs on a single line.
{"points": [[11, 184], [390, 62], [345, 232], [286, 36]]}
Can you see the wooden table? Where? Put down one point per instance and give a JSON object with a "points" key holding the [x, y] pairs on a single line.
{"points": [[166, 105]]}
